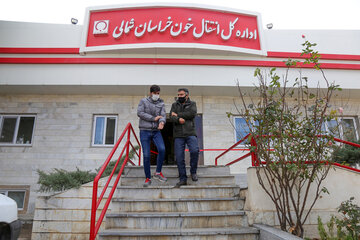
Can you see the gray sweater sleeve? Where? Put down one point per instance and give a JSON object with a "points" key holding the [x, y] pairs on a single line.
{"points": [[163, 114], [142, 114]]}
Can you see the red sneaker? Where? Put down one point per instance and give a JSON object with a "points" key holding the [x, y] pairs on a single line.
{"points": [[147, 182], [160, 177]]}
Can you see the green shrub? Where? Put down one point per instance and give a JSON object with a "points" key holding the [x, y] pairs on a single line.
{"points": [[351, 218], [347, 227], [60, 179], [347, 154]]}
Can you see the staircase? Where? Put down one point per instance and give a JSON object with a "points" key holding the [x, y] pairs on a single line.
{"points": [[211, 208]]}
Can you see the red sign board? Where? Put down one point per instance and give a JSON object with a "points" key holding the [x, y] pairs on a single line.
{"points": [[180, 25]]}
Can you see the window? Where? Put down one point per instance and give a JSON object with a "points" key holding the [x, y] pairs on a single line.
{"points": [[349, 128], [344, 128], [104, 131], [16, 129], [242, 129], [17, 195]]}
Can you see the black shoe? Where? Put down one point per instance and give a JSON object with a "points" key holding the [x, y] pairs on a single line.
{"points": [[181, 183], [194, 177]]}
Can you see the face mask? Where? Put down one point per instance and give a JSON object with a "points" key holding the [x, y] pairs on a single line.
{"points": [[181, 99], [155, 97]]}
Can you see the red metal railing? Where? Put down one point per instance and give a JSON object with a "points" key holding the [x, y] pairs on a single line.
{"points": [[95, 225], [253, 156], [255, 161], [351, 144], [211, 150]]}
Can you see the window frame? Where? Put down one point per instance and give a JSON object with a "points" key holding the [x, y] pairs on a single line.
{"points": [[354, 118], [341, 130], [241, 145], [6, 193], [18, 188], [18, 117], [104, 137]]}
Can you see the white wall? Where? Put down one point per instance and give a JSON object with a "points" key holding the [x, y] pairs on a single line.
{"points": [[135, 78], [328, 41], [41, 35]]}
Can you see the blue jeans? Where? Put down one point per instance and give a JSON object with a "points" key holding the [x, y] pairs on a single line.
{"points": [[145, 138], [192, 143]]}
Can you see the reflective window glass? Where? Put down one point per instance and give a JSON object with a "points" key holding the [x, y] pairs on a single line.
{"points": [[18, 197], [8, 129], [25, 132], [110, 131], [99, 130], [105, 130]]}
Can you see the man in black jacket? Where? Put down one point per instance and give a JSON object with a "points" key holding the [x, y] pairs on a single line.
{"points": [[183, 113]]}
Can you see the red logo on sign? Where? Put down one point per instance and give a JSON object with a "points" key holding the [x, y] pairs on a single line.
{"points": [[101, 27]]}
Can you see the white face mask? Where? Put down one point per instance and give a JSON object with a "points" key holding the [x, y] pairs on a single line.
{"points": [[155, 97]]}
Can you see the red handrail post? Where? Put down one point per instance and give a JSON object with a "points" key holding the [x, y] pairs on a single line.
{"points": [[93, 213], [128, 143], [139, 156], [139, 147], [137, 140], [254, 158], [252, 154]]}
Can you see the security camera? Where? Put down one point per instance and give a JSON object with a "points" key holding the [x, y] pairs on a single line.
{"points": [[269, 26], [74, 21]]}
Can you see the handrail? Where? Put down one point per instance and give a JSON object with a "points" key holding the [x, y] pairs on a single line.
{"points": [[227, 150], [95, 226], [256, 162], [351, 144], [347, 142]]}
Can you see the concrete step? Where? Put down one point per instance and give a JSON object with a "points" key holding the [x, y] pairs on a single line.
{"points": [[172, 170], [177, 204], [129, 180], [166, 192], [176, 220], [244, 233]]}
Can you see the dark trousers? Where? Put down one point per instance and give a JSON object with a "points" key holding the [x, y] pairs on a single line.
{"points": [[192, 143], [145, 139]]}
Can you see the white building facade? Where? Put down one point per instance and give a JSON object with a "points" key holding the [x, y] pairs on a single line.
{"points": [[68, 91]]}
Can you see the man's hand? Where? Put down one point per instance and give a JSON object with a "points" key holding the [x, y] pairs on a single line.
{"points": [[157, 118], [181, 120], [161, 125], [174, 114]]}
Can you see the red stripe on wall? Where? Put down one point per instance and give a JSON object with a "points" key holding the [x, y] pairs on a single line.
{"points": [[170, 61], [40, 50], [76, 51], [322, 56]]}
